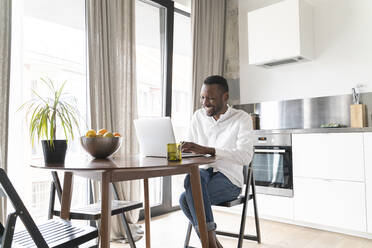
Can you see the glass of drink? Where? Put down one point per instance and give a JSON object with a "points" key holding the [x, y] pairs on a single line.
{"points": [[174, 152]]}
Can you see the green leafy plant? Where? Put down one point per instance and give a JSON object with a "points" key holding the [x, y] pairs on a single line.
{"points": [[49, 112]]}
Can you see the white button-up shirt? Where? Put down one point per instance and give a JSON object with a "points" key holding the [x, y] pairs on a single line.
{"points": [[230, 136]]}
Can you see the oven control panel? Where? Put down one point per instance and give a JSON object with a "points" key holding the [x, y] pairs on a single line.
{"points": [[272, 140]]}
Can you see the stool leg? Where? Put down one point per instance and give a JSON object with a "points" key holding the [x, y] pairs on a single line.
{"points": [[91, 200], [93, 223], [51, 200], [258, 231], [244, 212], [124, 220], [188, 234], [57, 185], [127, 231]]}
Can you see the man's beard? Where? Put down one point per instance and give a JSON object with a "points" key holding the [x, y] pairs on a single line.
{"points": [[213, 111]]}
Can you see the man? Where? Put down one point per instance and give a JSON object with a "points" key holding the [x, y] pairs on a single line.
{"points": [[221, 131]]}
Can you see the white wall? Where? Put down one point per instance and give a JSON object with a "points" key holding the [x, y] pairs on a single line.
{"points": [[343, 48]]}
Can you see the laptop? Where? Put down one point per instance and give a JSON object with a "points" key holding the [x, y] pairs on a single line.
{"points": [[154, 134]]}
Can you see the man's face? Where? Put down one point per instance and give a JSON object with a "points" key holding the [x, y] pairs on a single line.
{"points": [[212, 99]]}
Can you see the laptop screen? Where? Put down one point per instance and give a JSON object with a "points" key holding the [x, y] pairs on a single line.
{"points": [[153, 135]]}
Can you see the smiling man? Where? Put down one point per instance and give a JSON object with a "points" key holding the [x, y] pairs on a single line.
{"points": [[221, 131]]}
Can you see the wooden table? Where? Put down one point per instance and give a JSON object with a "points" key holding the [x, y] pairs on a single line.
{"points": [[128, 168]]}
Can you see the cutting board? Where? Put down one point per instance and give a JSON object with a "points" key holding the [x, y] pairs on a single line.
{"points": [[358, 117]]}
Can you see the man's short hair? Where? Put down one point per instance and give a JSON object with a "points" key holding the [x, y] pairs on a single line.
{"points": [[219, 80]]}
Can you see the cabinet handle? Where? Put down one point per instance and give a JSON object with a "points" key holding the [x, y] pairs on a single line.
{"points": [[270, 150]]}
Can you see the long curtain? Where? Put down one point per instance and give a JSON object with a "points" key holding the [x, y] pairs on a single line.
{"points": [[112, 87], [231, 70], [5, 34], [208, 26]]}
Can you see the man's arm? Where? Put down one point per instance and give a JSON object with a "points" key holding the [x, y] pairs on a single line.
{"points": [[195, 148], [243, 152]]}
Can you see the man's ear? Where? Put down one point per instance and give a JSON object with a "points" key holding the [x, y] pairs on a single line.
{"points": [[225, 96]]}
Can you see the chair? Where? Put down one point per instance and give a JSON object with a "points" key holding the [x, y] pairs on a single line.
{"points": [[53, 233], [242, 199], [92, 212]]}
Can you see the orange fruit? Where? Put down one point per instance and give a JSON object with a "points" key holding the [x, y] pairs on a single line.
{"points": [[102, 131], [117, 135]]}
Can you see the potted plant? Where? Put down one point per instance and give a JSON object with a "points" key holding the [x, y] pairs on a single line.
{"points": [[56, 109]]}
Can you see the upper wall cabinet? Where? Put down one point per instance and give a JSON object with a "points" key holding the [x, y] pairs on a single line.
{"points": [[281, 33]]}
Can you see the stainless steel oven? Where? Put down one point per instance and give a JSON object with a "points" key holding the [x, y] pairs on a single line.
{"points": [[272, 164]]}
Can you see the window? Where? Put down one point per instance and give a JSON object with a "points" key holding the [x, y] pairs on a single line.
{"points": [[182, 88], [48, 40], [150, 29], [154, 36], [182, 85]]}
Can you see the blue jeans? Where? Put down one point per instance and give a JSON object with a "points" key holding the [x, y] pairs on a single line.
{"points": [[216, 188]]}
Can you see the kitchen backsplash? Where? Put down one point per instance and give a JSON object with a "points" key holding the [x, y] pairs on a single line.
{"points": [[307, 113]]}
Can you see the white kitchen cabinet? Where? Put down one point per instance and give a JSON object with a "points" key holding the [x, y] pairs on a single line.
{"points": [[280, 33], [275, 206], [332, 203], [368, 170], [336, 156]]}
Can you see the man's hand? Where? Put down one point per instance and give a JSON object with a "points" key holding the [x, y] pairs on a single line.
{"points": [[195, 148]]}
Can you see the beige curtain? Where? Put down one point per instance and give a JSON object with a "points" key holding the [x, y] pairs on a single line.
{"points": [[208, 25], [5, 34], [111, 55], [231, 69]]}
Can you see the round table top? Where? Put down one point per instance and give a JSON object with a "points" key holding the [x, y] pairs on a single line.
{"points": [[86, 163]]}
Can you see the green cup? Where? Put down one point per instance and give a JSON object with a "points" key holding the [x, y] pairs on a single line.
{"points": [[174, 152]]}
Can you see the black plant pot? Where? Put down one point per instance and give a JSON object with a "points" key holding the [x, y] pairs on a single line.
{"points": [[54, 154]]}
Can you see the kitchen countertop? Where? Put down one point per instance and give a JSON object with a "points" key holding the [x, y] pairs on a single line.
{"points": [[314, 130]]}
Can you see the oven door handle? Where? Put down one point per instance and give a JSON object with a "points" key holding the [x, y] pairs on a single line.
{"points": [[270, 150]]}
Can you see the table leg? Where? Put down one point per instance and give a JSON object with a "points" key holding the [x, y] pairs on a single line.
{"points": [[147, 212], [66, 195], [105, 210], [199, 205]]}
